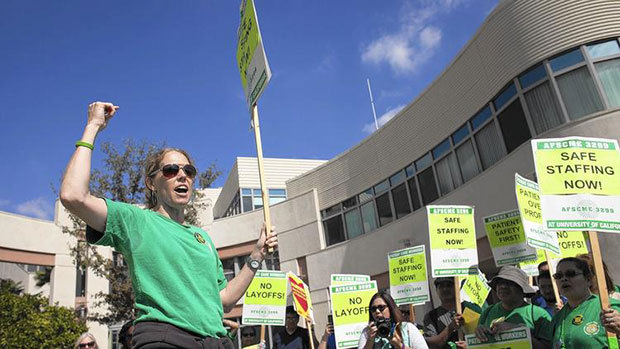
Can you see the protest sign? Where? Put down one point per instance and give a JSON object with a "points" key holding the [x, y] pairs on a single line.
{"points": [[345, 279], [350, 311], [578, 182], [475, 289], [452, 236], [408, 277], [518, 338], [528, 199], [531, 267], [507, 238], [264, 302], [301, 296]]}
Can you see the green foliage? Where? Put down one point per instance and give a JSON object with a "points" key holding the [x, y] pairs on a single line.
{"points": [[29, 321], [10, 286]]}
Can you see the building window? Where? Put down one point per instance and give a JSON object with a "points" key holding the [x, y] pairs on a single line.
{"points": [[480, 118], [514, 127], [368, 216], [80, 282], [428, 188], [467, 160], [276, 195], [229, 268], [401, 201], [609, 75], [579, 93], [448, 174], [566, 60], [543, 108], [354, 223], [384, 209], [603, 49], [302, 269], [489, 145], [334, 230], [532, 76], [415, 196], [505, 96]]}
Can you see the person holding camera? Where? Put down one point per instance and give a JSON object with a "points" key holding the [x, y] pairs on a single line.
{"points": [[386, 328]]}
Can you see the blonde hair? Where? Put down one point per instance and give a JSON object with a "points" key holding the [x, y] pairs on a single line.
{"points": [[153, 162], [81, 338]]}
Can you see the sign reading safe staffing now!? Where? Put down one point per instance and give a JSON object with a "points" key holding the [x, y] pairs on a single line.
{"points": [[579, 183], [507, 238], [251, 58], [350, 311], [452, 236], [408, 280], [265, 299], [528, 199]]}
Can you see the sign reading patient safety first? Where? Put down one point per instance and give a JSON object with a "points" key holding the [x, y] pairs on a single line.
{"points": [[264, 302], [579, 183], [350, 311], [408, 281], [452, 237], [507, 238]]}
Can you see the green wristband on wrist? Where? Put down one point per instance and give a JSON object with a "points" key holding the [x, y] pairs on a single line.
{"points": [[84, 144]]}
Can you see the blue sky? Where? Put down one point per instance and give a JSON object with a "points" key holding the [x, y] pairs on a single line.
{"points": [[171, 67]]}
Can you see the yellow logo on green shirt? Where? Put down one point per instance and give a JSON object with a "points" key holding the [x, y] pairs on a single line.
{"points": [[591, 328], [199, 238]]}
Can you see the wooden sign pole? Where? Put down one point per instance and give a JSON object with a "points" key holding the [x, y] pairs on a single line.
{"points": [[457, 299], [556, 293], [310, 336], [600, 281], [411, 313]]}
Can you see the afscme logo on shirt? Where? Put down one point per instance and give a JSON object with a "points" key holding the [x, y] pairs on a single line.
{"points": [[199, 238]]}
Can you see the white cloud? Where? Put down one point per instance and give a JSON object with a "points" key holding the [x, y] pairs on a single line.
{"points": [[414, 42], [38, 208], [387, 116]]}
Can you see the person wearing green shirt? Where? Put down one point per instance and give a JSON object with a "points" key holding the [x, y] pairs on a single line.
{"points": [[581, 323], [511, 286], [177, 277]]}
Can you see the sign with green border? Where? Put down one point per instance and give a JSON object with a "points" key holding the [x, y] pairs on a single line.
{"points": [[350, 311], [264, 302], [345, 279], [408, 276], [507, 238], [475, 289], [518, 338]]}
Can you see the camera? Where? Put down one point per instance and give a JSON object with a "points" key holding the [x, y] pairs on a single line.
{"points": [[384, 328]]}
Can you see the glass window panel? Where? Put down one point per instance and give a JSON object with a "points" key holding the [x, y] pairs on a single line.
{"points": [[366, 195], [514, 126], [532, 76], [381, 187], [368, 216], [346, 204], [481, 117], [428, 188], [566, 60], [441, 149], [415, 198], [448, 174], [489, 145], [332, 210], [579, 93], [384, 209], [424, 161], [258, 202], [609, 75], [334, 230], [246, 191], [401, 201], [273, 201], [460, 134], [410, 170], [354, 223], [229, 268], [505, 96], [467, 160], [277, 192], [544, 108], [247, 204], [397, 178], [257, 192], [603, 49]]}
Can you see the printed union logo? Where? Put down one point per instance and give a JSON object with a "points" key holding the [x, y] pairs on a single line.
{"points": [[591, 328], [588, 209], [199, 238], [263, 312]]}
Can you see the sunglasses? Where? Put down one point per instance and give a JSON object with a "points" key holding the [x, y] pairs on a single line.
{"points": [[171, 170], [87, 345], [569, 274], [248, 335], [378, 307]]}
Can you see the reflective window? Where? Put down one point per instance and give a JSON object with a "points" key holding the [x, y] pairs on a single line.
{"points": [[467, 160], [413, 191], [246, 191], [489, 145], [368, 216], [354, 223], [332, 210], [384, 209], [481, 117], [566, 60], [258, 202], [448, 174], [505, 96], [513, 125], [544, 109], [579, 93], [609, 75], [401, 201], [603, 49], [247, 204], [460, 134], [257, 192], [334, 230], [428, 188], [381, 187], [366, 195], [347, 204], [441, 149], [397, 178], [532, 76], [424, 161], [410, 170]]}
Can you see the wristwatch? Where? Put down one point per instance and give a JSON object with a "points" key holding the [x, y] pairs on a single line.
{"points": [[252, 263]]}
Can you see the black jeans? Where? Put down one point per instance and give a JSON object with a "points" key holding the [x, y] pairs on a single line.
{"points": [[149, 334]]}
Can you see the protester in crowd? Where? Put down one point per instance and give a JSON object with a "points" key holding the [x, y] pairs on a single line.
{"points": [[546, 297], [249, 337], [328, 341], [125, 335], [612, 288], [383, 315], [543, 267], [580, 323], [511, 286], [86, 341], [441, 325], [292, 336], [179, 283]]}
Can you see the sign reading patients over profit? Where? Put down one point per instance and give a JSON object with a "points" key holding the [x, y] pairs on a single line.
{"points": [[350, 311], [301, 296], [507, 238], [475, 289], [453, 240], [579, 184], [518, 338], [345, 279], [251, 58], [265, 299], [528, 198], [408, 281]]}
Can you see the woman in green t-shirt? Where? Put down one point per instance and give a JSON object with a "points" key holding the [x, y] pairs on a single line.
{"points": [[511, 286], [580, 323]]}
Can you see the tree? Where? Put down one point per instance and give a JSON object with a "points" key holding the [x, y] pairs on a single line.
{"points": [[29, 321], [121, 179]]}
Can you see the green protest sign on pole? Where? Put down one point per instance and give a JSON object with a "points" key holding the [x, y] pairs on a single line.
{"points": [[518, 338], [531, 267], [579, 184], [408, 277], [264, 302], [350, 311], [475, 289], [507, 238], [251, 58], [345, 279], [452, 235], [528, 199]]}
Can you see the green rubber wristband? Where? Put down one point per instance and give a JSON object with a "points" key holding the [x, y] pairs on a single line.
{"points": [[84, 144]]}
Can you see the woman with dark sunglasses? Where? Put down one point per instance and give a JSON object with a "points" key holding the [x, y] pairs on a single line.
{"points": [[178, 280], [581, 323], [386, 327]]}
